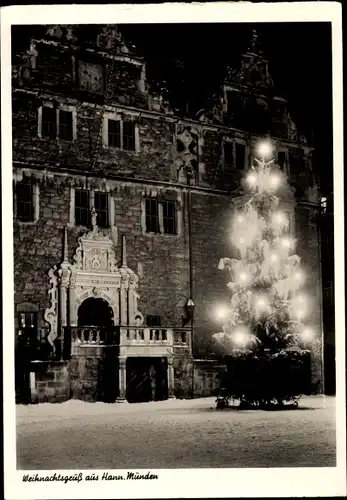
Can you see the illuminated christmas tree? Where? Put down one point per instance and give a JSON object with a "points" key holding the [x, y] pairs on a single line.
{"points": [[268, 309]]}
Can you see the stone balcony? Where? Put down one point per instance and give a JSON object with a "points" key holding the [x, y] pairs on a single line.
{"points": [[129, 340]]}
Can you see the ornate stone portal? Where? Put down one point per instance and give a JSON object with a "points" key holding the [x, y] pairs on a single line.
{"points": [[94, 273]]}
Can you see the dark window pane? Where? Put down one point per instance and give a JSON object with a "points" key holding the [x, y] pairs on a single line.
{"points": [[169, 217], [281, 159], [129, 136], [228, 154], [101, 208], [28, 327], [152, 320], [114, 133], [82, 210], [49, 122], [24, 202], [65, 125], [240, 150], [296, 162], [152, 215]]}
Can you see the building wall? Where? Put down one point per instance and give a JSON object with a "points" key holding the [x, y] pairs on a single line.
{"points": [[65, 76], [161, 260]]}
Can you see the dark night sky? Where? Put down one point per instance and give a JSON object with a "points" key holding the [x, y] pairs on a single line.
{"points": [[299, 56]]}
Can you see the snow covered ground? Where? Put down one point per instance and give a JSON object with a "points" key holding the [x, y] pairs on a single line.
{"points": [[174, 434]]}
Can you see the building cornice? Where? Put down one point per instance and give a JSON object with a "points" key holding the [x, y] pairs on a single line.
{"points": [[202, 126], [51, 171]]}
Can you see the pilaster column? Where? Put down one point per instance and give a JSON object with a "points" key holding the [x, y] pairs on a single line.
{"points": [[123, 291], [121, 398], [63, 305], [170, 379], [72, 306]]}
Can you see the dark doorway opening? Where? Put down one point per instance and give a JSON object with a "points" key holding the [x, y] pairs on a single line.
{"points": [[146, 379], [95, 312]]}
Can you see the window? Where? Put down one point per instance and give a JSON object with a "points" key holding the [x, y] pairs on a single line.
{"points": [[323, 204], [101, 208], [281, 159], [328, 293], [152, 215], [24, 201], [49, 123], [82, 202], [160, 216], [114, 133], [65, 125], [153, 320], [129, 136], [169, 217], [228, 154], [56, 123], [240, 153], [234, 155], [82, 209], [28, 328], [28, 319], [121, 134]]}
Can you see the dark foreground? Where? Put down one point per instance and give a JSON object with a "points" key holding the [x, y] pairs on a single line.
{"points": [[174, 434]]}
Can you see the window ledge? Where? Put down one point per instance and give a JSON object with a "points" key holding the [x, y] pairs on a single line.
{"points": [[82, 227], [57, 140], [165, 235], [129, 151], [26, 223]]}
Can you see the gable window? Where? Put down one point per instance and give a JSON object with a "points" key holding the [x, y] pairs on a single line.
{"points": [[82, 208], [101, 208], [57, 123], [169, 217], [24, 201], [152, 215]]}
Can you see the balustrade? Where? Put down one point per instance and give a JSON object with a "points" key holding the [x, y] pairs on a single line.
{"points": [[87, 335], [126, 335], [182, 337], [130, 334]]}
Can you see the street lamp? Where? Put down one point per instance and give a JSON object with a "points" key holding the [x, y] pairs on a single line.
{"points": [[190, 306], [189, 312]]}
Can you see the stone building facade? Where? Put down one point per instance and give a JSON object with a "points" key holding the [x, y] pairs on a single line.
{"points": [[122, 211]]}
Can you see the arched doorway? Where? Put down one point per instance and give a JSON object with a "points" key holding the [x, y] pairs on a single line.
{"points": [[95, 312]]}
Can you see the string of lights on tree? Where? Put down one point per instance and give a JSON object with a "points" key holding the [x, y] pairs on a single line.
{"points": [[268, 309]]}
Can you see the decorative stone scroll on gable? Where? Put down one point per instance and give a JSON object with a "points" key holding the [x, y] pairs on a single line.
{"points": [[94, 274], [188, 145]]}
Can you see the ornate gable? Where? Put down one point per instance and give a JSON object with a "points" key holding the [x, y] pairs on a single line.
{"points": [[94, 274], [254, 68]]}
